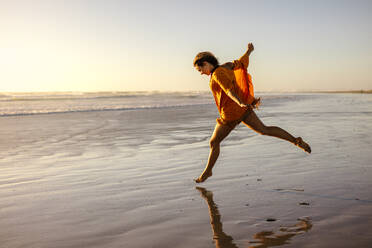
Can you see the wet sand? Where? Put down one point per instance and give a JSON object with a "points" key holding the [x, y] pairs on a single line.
{"points": [[125, 178]]}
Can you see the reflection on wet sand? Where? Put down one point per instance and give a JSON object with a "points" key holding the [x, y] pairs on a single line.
{"points": [[262, 239], [222, 239]]}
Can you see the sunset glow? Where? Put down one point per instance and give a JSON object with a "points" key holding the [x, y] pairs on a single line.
{"points": [[143, 45]]}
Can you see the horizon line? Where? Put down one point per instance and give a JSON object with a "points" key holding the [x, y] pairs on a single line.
{"points": [[369, 91]]}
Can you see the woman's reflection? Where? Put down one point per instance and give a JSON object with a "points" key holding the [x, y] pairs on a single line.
{"points": [[222, 239], [262, 239]]}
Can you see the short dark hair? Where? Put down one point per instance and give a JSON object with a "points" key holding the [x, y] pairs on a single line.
{"points": [[202, 57]]}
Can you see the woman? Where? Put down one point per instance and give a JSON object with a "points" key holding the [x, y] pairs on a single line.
{"points": [[231, 107]]}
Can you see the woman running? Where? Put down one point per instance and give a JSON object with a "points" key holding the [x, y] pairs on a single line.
{"points": [[231, 106]]}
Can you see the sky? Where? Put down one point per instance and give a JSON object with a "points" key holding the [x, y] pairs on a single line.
{"points": [[90, 45]]}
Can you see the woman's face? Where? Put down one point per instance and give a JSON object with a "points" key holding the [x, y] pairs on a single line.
{"points": [[205, 69]]}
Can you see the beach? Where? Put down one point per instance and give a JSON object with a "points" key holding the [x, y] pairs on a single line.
{"points": [[101, 172]]}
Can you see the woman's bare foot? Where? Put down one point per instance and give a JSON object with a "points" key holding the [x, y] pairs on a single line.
{"points": [[204, 176], [302, 144]]}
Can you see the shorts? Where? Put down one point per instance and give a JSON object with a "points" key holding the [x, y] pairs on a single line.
{"points": [[234, 123]]}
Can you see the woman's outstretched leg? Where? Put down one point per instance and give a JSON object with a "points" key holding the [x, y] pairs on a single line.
{"points": [[220, 132], [256, 124]]}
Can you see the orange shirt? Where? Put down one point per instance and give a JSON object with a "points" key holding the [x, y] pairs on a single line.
{"points": [[222, 81]]}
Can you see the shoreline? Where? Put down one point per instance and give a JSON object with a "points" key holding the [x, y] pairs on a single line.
{"points": [[340, 92]]}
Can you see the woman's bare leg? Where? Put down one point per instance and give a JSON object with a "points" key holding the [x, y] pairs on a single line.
{"points": [[220, 132], [256, 124]]}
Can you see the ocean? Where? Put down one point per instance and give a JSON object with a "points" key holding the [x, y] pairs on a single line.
{"points": [[13, 104], [116, 169], [49, 103]]}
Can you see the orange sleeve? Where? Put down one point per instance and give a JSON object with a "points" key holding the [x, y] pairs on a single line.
{"points": [[243, 62], [224, 81]]}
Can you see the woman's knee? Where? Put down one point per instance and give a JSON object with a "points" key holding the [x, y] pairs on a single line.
{"points": [[264, 130], [214, 143], [261, 129]]}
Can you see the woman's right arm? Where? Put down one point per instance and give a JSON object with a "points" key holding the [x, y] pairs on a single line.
{"points": [[227, 86], [244, 60]]}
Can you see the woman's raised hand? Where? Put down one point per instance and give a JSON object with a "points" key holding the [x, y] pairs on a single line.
{"points": [[250, 47]]}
